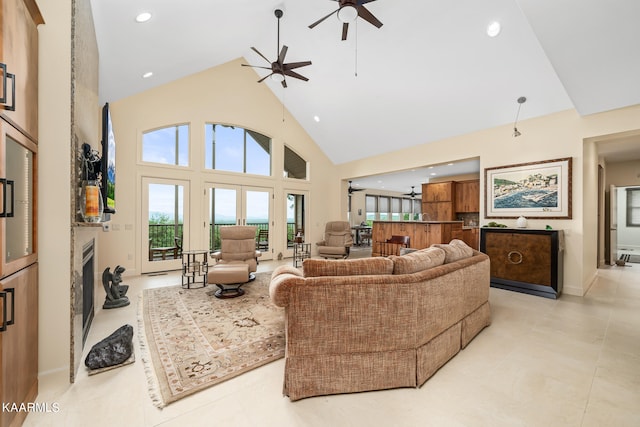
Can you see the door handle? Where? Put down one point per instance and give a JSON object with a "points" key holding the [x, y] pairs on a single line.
{"points": [[4, 183], [6, 322], [3, 99], [10, 214]]}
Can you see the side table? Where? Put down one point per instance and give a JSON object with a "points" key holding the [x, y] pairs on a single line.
{"points": [[194, 269], [301, 251]]}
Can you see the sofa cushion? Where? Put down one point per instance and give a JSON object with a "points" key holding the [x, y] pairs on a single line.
{"points": [[417, 260], [346, 267], [454, 250]]}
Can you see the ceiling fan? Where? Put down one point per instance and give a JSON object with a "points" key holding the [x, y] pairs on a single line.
{"points": [[351, 189], [413, 192], [349, 11], [278, 68]]}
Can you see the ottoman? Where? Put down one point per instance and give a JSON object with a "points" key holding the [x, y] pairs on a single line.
{"points": [[228, 278]]}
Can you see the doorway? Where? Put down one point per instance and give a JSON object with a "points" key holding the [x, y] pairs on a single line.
{"points": [[295, 208], [240, 205], [165, 215]]}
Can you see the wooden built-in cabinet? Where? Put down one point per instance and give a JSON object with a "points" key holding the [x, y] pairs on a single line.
{"points": [[467, 196], [441, 201], [18, 207], [525, 260]]}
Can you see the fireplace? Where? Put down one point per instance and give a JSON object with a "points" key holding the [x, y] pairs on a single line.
{"points": [[88, 278]]}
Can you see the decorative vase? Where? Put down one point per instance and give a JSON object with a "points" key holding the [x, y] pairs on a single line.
{"points": [[521, 222], [91, 205]]}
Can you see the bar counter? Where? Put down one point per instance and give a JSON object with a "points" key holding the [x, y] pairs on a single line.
{"points": [[422, 234]]}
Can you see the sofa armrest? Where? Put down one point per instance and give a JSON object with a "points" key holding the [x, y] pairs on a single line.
{"points": [[282, 279], [216, 255]]}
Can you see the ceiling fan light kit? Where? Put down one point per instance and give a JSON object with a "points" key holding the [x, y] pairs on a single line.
{"points": [[348, 11], [347, 14]]}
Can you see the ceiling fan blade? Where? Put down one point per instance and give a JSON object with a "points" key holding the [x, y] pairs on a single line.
{"points": [[364, 13], [295, 75], [258, 52], [322, 19], [256, 66], [283, 53], [262, 79], [292, 65], [345, 29]]}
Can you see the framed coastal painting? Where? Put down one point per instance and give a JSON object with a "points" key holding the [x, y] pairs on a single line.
{"points": [[533, 190]]}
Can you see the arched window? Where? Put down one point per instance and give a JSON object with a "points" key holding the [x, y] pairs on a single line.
{"points": [[294, 165], [234, 149], [167, 146]]}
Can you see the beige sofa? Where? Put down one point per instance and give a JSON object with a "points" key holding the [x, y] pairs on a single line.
{"points": [[379, 323]]}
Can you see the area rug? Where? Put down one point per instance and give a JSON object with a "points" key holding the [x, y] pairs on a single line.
{"points": [[191, 340]]}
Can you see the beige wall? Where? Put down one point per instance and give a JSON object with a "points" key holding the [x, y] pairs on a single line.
{"points": [[227, 94], [554, 136], [54, 193], [623, 174]]}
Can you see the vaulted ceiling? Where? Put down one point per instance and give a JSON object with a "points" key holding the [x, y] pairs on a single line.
{"points": [[430, 72]]}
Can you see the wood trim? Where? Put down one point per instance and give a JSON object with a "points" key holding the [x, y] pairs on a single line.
{"points": [[34, 11]]}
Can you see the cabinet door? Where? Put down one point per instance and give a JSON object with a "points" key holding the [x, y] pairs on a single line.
{"points": [[20, 55], [438, 192], [19, 342], [17, 200], [520, 257], [468, 196]]}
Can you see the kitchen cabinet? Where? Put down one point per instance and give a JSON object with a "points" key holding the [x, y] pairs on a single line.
{"points": [[467, 196]]}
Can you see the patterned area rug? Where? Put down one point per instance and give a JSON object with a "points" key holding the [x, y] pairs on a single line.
{"points": [[191, 340]]}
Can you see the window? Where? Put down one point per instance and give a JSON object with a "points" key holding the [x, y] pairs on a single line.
{"points": [[371, 207], [396, 209], [383, 208], [633, 207], [233, 149], [294, 165], [167, 146]]}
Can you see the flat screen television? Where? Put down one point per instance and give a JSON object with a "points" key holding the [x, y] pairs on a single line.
{"points": [[108, 165]]}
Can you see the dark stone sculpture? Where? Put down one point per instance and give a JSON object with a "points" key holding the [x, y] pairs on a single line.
{"points": [[115, 291], [113, 350]]}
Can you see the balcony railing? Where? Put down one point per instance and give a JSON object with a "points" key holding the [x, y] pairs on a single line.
{"points": [[163, 235]]}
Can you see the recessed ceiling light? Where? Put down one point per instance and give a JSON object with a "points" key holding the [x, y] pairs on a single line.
{"points": [[493, 29], [433, 174], [143, 17], [147, 75], [316, 118], [449, 164]]}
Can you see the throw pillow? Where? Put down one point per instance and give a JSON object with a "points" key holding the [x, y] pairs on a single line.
{"points": [[454, 250], [346, 267], [417, 261]]}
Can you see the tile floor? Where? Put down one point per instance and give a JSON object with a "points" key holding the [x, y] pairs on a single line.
{"points": [[570, 362]]}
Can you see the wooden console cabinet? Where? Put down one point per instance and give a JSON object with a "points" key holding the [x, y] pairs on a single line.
{"points": [[523, 260]]}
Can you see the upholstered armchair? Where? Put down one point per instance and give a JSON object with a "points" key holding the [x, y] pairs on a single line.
{"points": [[337, 240], [238, 245]]}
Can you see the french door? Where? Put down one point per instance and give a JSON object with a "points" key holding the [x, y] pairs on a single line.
{"points": [[240, 205], [165, 223]]}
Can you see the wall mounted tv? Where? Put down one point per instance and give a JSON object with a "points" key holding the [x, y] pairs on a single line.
{"points": [[108, 162]]}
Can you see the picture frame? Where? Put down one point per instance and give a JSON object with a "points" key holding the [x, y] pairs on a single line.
{"points": [[533, 190]]}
